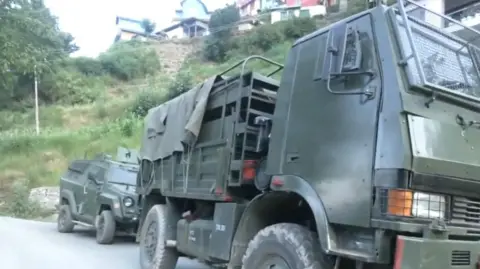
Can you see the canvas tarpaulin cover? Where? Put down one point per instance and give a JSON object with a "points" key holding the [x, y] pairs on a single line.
{"points": [[176, 123]]}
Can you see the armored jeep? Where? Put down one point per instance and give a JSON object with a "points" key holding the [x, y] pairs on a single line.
{"points": [[366, 154], [100, 193]]}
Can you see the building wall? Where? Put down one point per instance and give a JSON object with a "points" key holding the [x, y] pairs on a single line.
{"points": [[313, 11], [303, 3], [176, 33], [126, 35], [248, 7]]}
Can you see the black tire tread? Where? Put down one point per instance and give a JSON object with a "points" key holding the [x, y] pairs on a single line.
{"points": [[109, 228], [165, 257], [304, 241], [69, 225]]}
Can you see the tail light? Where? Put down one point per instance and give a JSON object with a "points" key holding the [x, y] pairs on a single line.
{"points": [[249, 169]]}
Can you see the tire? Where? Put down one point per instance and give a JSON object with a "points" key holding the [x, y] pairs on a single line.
{"points": [[154, 254], [105, 225], [285, 245], [64, 220]]}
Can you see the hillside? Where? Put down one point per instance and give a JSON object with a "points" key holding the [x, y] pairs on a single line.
{"points": [[94, 105]]}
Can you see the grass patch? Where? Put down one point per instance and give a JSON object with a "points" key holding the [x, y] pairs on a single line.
{"points": [[42, 159]]}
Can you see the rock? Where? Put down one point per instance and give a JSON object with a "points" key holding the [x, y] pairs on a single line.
{"points": [[46, 197]]}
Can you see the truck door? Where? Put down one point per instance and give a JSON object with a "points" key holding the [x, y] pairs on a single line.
{"points": [[331, 129]]}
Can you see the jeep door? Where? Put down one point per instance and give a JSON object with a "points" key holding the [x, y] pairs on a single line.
{"points": [[93, 186]]}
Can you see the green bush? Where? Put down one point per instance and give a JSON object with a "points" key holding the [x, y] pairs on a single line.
{"points": [[68, 86], [87, 66], [127, 60], [267, 36], [145, 100], [182, 83], [298, 27], [18, 204]]}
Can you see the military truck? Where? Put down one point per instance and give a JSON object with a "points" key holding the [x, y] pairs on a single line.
{"points": [[100, 193], [366, 154]]}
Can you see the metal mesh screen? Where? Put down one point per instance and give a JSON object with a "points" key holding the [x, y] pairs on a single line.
{"points": [[446, 63]]}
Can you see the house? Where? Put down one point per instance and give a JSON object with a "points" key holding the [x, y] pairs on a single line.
{"points": [[295, 8], [129, 29], [191, 9], [286, 12], [248, 8], [186, 28], [190, 20]]}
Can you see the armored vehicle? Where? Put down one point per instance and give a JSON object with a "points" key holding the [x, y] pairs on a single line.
{"points": [[100, 193], [366, 154]]}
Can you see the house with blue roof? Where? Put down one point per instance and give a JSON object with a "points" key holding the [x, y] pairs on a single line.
{"points": [[190, 20], [129, 29], [192, 9]]}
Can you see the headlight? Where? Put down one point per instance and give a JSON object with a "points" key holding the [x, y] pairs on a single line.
{"points": [[428, 206], [128, 202], [416, 204]]}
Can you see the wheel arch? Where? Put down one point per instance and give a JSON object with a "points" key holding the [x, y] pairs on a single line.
{"points": [[260, 213], [67, 197]]}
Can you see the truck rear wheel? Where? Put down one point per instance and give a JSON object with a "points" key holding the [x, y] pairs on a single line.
{"points": [[154, 254], [285, 245]]}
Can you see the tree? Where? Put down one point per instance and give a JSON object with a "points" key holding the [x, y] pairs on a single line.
{"points": [[29, 39], [148, 26], [221, 24]]}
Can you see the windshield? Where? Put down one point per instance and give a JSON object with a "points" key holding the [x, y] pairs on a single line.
{"points": [[447, 63], [122, 176]]}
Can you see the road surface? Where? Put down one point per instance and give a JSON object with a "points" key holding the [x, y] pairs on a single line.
{"points": [[30, 244]]}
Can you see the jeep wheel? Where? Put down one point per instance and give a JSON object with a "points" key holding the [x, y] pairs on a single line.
{"points": [[285, 245], [154, 254], [106, 226], [64, 220]]}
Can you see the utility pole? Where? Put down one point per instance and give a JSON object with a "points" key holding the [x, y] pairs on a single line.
{"points": [[37, 119]]}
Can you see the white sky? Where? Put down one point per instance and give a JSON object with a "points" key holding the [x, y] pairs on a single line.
{"points": [[92, 22]]}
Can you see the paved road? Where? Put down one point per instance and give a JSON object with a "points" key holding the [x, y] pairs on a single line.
{"points": [[30, 244]]}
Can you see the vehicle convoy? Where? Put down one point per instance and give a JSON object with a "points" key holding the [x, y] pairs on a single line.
{"points": [[100, 193], [364, 155]]}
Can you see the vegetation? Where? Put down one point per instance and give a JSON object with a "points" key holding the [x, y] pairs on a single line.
{"points": [[87, 104]]}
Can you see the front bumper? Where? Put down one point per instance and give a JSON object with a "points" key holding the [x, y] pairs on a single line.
{"points": [[426, 253]]}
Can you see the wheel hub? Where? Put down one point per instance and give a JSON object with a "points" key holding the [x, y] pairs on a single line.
{"points": [[151, 240], [274, 262]]}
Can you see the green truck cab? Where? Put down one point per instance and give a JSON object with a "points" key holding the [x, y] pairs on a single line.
{"points": [[100, 193], [366, 154]]}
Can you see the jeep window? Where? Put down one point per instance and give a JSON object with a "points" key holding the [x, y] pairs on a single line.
{"points": [[122, 176], [98, 172], [447, 63]]}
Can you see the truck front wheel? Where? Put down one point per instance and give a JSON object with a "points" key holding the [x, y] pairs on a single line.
{"points": [[285, 245], [154, 254]]}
